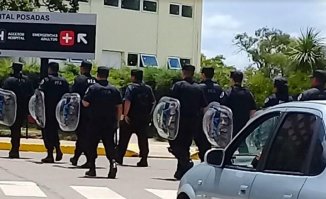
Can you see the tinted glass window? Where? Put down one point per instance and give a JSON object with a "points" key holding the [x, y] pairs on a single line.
{"points": [[290, 148], [187, 11], [174, 63], [131, 4], [174, 9], [184, 61], [318, 161], [132, 59], [111, 3], [250, 149], [149, 60], [150, 6]]}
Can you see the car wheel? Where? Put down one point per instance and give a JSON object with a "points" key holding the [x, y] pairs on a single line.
{"points": [[183, 196]]}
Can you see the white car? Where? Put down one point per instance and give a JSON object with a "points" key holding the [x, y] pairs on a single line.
{"points": [[279, 154]]}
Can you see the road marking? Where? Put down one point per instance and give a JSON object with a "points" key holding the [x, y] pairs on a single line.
{"points": [[21, 189], [163, 194], [96, 192]]}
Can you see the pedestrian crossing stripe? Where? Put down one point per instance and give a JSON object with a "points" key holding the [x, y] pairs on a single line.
{"points": [[96, 192], [30, 189], [163, 194], [21, 189]]}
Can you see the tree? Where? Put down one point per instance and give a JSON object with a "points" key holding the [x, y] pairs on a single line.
{"points": [[267, 49], [308, 53], [31, 5]]}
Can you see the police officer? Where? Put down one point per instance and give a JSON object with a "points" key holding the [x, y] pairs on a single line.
{"points": [[81, 83], [105, 108], [241, 101], [192, 103], [23, 88], [213, 93], [317, 92], [54, 87], [281, 93], [139, 101]]}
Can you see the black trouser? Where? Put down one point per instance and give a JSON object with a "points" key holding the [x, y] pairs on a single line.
{"points": [[16, 133], [201, 141], [82, 141], [126, 130], [180, 147], [95, 135], [51, 135]]}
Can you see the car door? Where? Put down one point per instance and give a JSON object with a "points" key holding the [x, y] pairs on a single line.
{"points": [[235, 179], [284, 167]]}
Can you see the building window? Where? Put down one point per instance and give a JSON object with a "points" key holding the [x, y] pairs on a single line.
{"points": [[131, 4], [148, 61], [185, 61], [84, 1], [174, 9], [132, 59], [114, 3], [150, 6], [174, 63], [187, 11]]}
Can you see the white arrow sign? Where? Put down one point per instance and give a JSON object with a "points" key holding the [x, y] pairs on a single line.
{"points": [[81, 38]]}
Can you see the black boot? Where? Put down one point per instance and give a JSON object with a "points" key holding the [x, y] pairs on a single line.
{"points": [[142, 163], [74, 161], [92, 170], [49, 158], [113, 170], [59, 154], [13, 154]]}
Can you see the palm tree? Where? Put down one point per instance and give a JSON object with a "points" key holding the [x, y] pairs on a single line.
{"points": [[308, 51]]}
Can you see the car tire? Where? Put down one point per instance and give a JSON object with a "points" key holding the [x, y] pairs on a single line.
{"points": [[182, 196]]}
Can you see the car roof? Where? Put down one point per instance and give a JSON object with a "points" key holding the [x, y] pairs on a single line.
{"points": [[318, 105]]}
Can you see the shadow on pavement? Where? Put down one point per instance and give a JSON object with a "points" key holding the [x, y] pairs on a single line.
{"points": [[73, 167], [96, 178], [15, 158], [166, 179]]}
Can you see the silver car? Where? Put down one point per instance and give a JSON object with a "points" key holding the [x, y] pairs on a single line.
{"points": [[279, 154]]}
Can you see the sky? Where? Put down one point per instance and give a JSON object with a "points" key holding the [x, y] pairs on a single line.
{"points": [[223, 19]]}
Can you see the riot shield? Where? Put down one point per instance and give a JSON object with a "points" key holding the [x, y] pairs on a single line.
{"points": [[68, 112], [166, 117], [37, 108], [218, 125], [8, 107]]}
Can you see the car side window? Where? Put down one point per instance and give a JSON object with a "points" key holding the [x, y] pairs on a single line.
{"points": [[290, 148], [248, 151], [318, 161]]}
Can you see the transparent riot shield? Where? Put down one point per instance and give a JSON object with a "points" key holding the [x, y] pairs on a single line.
{"points": [[68, 112], [218, 125], [8, 107], [37, 108], [166, 117]]}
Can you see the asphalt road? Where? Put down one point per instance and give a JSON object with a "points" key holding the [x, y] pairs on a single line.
{"points": [[28, 178]]}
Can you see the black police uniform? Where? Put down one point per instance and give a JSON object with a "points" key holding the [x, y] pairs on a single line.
{"points": [[142, 101], [281, 95], [318, 92], [103, 124], [276, 99], [23, 88], [213, 93], [192, 101], [54, 87], [241, 101], [81, 84]]}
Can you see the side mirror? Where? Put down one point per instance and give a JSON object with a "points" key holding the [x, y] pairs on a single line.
{"points": [[215, 157]]}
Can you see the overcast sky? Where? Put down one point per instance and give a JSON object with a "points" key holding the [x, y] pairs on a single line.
{"points": [[223, 19]]}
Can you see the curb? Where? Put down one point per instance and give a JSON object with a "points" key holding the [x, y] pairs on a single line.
{"points": [[132, 150], [65, 149]]}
